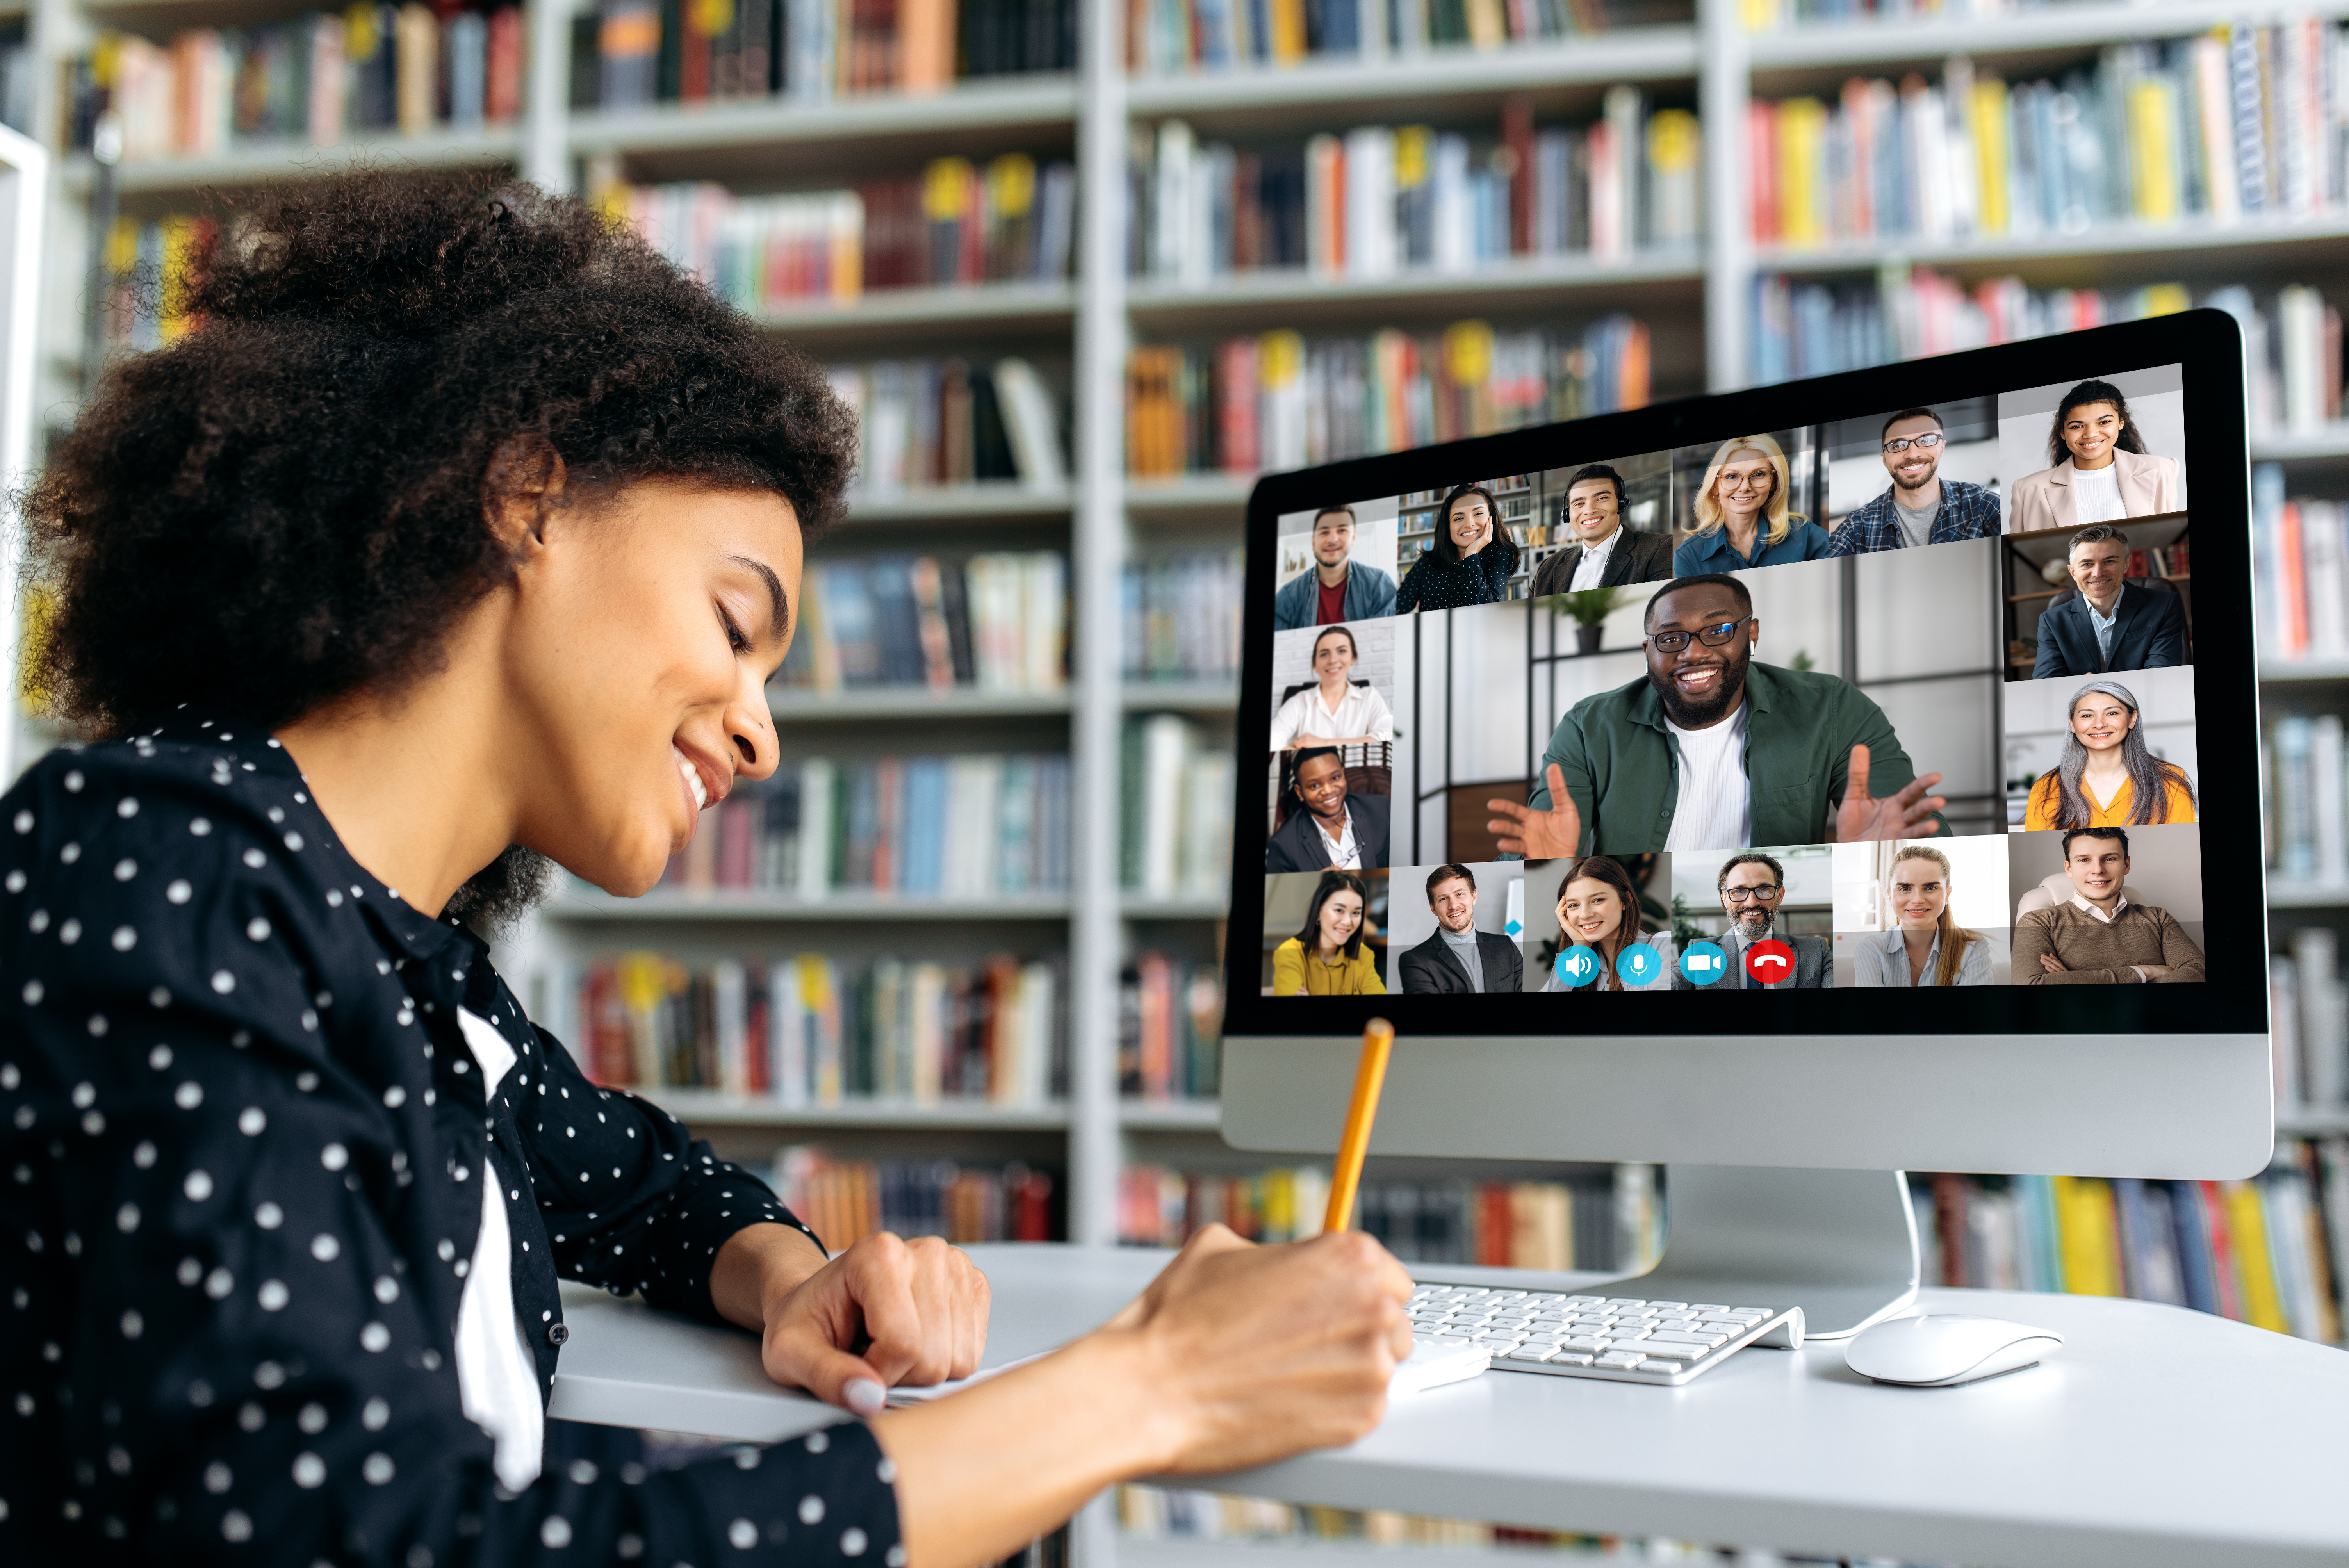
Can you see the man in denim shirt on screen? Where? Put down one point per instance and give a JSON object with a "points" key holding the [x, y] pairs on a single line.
{"points": [[1920, 507]]}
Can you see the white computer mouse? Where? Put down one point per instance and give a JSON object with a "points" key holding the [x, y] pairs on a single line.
{"points": [[1943, 1348]]}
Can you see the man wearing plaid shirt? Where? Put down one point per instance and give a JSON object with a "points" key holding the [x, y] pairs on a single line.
{"points": [[1921, 507]]}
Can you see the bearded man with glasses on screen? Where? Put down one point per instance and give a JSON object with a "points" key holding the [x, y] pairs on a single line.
{"points": [[1715, 751], [1752, 886], [1919, 507]]}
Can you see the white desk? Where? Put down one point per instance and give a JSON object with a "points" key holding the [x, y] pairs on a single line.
{"points": [[2160, 1437]]}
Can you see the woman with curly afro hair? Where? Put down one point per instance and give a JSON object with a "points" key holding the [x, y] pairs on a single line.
{"points": [[459, 535]]}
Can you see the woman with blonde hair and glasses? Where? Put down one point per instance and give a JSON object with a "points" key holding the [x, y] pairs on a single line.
{"points": [[2108, 778], [1924, 945], [1742, 519]]}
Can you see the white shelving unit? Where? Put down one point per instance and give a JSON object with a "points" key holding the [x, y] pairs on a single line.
{"points": [[1102, 517]]}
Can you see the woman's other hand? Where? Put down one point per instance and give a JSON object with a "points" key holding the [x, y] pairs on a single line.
{"points": [[885, 1311], [1261, 1352]]}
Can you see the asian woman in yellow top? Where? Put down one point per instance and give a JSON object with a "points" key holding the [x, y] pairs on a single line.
{"points": [[1327, 958], [2108, 778]]}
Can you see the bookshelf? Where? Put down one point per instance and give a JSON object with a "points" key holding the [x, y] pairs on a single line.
{"points": [[1701, 301]]}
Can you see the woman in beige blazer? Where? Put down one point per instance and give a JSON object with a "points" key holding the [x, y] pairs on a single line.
{"points": [[2102, 469]]}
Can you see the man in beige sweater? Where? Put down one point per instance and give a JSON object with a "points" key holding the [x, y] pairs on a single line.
{"points": [[2098, 937]]}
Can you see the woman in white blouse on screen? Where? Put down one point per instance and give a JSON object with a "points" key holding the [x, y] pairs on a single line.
{"points": [[1335, 712]]}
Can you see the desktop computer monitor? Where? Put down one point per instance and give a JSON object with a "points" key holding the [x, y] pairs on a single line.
{"points": [[1790, 786]]}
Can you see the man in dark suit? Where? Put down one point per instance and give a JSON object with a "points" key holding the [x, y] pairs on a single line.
{"points": [[1593, 516], [1334, 829], [1459, 957], [2114, 625]]}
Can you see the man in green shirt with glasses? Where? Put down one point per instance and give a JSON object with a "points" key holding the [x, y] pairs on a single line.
{"points": [[1713, 751]]}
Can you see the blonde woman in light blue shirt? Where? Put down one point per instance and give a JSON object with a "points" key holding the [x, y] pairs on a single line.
{"points": [[1925, 945]]}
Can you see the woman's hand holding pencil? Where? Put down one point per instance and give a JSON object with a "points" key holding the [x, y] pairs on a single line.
{"points": [[1269, 1350], [1258, 1352]]}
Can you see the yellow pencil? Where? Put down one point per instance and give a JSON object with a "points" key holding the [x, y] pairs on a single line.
{"points": [[1369, 1077]]}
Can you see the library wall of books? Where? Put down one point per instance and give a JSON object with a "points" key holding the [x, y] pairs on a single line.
{"points": [[1083, 268]]}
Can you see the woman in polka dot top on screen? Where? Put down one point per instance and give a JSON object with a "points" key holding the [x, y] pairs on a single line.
{"points": [[458, 535]]}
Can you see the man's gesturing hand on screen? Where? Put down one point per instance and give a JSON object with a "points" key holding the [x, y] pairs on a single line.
{"points": [[1862, 818], [1537, 834]]}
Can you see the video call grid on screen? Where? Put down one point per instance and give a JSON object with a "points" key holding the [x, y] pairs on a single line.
{"points": [[2023, 626]]}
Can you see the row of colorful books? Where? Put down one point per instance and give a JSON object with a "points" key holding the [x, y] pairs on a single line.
{"points": [[955, 223], [996, 621], [1382, 200], [2300, 565], [633, 54], [2240, 123], [2263, 1252], [804, 1031], [961, 827], [1279, 401], [1774, 15], [1817, 328], [1179, 785], [2303, 756], [1170, 1029], [1174, 37], [318, 79], [1589, 1223], [1181, 619], [2308, 1003], [1172, 1513], [845, 1201], [930, 422]]}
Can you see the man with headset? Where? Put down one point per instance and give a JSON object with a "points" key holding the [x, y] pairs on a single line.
{"points": [[1605, 554]]}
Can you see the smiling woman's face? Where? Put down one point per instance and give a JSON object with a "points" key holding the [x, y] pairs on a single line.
{"points": [[1333, 655], [1744, 483], [1919, 889], [1590, 911], [2102, 721], [2090, 431], [1341, 916], [643, 635], [1472, 524]]}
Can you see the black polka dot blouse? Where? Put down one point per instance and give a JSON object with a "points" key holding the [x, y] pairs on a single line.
{"points": [[1482, 579], [241, 1145]]}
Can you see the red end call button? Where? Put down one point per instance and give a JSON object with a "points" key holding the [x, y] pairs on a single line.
{"points": [[1770, 961]]}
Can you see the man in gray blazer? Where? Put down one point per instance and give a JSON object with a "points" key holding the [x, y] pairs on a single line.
{"points": [[1752, 886], [1459, 958], [1337, 583], [1592, 516]]}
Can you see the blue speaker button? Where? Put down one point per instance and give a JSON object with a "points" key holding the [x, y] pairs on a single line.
{"points": [[1576, 966]]}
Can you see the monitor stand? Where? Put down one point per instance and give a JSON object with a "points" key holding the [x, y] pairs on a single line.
{"points": [[1840, 1244]]}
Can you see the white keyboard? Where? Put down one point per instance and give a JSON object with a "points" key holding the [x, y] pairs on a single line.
{"points": [[1624, 1338]]}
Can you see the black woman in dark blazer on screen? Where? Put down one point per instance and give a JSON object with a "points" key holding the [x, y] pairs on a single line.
{"points": [[1329, 827]]}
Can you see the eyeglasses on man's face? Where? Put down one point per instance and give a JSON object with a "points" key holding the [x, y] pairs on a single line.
{"points": [[1902, 443], [1713, 636], [1740, 894]]}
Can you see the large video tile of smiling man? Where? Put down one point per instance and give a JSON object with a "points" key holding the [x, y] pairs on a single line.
{"points": [[1714, 749]]}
